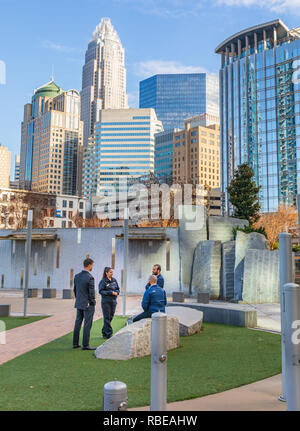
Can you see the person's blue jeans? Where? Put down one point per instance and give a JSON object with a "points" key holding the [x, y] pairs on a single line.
{"points": [[143, 315]]}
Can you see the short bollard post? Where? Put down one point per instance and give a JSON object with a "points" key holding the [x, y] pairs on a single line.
{"points": [[159, 362], [291, 299], [286, 276], [115, 396]]}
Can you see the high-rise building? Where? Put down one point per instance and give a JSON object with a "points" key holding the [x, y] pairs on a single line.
{"points": [[176, 97], [51, 145], [260, 109], [123, 146], [163, 155], [17, 168], [5, 161], [103, 76], [196, 155]]}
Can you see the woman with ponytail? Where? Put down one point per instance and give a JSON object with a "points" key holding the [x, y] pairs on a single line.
{"points": [[109, 290]]}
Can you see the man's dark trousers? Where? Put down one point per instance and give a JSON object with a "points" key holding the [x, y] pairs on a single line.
{"points": [[108, 309], [87, 315], [143, 315]]}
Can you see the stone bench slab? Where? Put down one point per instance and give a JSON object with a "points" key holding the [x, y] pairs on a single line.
{"points": [[134, 341], [190, 320], [230, 314]]}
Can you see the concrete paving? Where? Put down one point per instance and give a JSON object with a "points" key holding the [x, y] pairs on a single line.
{"points": [[258, 396]]}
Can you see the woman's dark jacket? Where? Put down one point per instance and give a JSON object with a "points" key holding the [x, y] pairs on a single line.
{"points": [[107, 287]]}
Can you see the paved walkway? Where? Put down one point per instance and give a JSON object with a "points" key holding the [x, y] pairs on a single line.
{"points": [[28, 337], [258, 396]]}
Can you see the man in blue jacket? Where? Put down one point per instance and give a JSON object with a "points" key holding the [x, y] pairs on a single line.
{"points": [[154, 300], [156, 270]]}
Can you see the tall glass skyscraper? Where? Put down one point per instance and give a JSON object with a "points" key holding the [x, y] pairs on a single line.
{"points": [[103, 76], [260, 109], [176, 97]]}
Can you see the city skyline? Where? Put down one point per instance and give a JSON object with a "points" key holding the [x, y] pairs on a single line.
{"points": [[164, 52]]}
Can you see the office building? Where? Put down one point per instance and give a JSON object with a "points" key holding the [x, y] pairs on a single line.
{"points": [[123, 147], [163, 156], [5, 162], [103, 76], [260, 110], [196, 155], [176, 97], [51, 144]]}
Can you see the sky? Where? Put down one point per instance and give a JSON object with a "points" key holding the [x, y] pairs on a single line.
{"points": [[159, 36]]}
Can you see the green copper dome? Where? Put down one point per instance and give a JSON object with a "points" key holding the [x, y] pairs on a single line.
{"points": [[50, 90]]}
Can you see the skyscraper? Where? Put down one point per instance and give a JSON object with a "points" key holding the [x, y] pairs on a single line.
{"points": [[51, 145], [176, 97], [260, 109], [103, 76], [5, 160], [123, 146], [17, 169]]}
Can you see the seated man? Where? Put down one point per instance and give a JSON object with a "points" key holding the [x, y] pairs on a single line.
{"points": [[156, 270], [154, 300]]}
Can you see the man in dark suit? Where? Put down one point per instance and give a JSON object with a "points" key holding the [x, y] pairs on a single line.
{"points": [[84, 290]]}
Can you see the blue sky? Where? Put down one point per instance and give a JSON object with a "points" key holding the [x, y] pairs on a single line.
{"points": [[159, 36]]}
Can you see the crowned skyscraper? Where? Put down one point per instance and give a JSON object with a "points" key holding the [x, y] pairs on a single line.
{"points": [[103, 76]]}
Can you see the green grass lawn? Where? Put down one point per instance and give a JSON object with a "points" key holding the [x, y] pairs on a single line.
{"points": [[14, 322], [56, 377]]}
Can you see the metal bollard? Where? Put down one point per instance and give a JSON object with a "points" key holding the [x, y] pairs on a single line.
{"points": [[291, 298], [286, 276], [159, 362], [115, 396]]}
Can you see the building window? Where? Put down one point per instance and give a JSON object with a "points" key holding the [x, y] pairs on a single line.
{"points": [[63, 223], [70, 204], [64, 204], [81, 205]]}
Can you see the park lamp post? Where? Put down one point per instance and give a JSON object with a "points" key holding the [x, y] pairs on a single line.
{"points": [[27, 257], [125, 260]]}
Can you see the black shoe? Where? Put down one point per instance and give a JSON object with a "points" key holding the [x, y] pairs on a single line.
{"points": [[89, 348], [76, 347]]}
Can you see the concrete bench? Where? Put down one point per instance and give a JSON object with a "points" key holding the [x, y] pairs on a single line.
{"points": [[178, 296], [4, 310], [32, 293], [203, 298], [229, 315], [49, 293], [68, 294]]}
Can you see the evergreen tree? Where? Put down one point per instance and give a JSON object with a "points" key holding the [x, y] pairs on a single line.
{"points": [[243, 194]]}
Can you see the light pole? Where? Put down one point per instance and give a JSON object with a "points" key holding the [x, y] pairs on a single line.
{"points": [[27, 257], [125, 259]]}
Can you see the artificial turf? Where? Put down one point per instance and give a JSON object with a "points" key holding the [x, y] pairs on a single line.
{"points": [[56, 377], [14, 322]]}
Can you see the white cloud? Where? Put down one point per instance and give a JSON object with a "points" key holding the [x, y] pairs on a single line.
{"points": [[278, 6], [48, 44], [152, 67]]}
